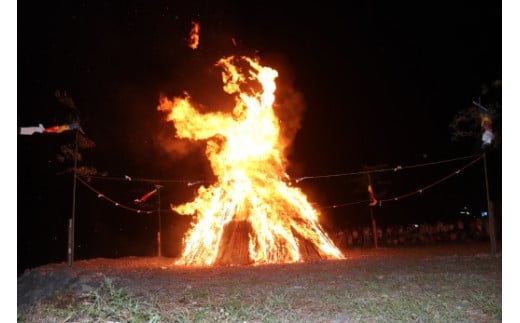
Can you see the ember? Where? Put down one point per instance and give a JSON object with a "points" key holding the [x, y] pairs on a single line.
{"points": [[251, 214], [194, 35]]}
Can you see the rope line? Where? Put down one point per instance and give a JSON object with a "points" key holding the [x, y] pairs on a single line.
{"points": [[380, 202], [344, 204], [297, 180], [103, 196], [394, 169], [419, 191], [127, 178]]}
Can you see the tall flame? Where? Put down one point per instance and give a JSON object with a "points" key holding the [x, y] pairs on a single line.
{"points": [[251, 214]]}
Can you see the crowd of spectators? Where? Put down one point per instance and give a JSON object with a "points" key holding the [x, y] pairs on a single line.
{"points": [[475, 229]]}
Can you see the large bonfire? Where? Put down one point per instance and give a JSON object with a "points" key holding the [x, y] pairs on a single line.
{"points": [[251, 214]]}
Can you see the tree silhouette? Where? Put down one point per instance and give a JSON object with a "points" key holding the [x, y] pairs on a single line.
{"points": [[468, 125], [70, 151]]}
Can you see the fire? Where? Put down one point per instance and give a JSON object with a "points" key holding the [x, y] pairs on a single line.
{"points": [[251, 214], [194, 35]]}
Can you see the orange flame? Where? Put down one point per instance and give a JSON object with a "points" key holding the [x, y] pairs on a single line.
{"points": [[251, 214], [194, 35]]}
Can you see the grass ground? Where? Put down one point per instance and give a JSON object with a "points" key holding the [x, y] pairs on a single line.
{"points": [[443, 283]]}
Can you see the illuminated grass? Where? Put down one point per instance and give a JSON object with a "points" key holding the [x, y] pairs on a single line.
{"points": [[366, 289], [104, 304]]}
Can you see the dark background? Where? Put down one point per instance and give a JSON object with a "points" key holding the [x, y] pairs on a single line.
{"points": [[377, 85]]}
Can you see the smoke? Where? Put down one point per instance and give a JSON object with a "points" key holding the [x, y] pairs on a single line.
{"points": [[289, 104], [178, 148], [289, 110]]}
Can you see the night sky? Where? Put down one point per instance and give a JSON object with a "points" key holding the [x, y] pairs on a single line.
{"points": [[372, 84]]}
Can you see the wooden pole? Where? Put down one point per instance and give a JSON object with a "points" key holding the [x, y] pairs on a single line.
{"points": [[159, 245], [372, 218], [70, 249], [491, 213]]}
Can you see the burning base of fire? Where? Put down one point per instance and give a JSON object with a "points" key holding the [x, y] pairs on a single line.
{"points": [[233, 249]]}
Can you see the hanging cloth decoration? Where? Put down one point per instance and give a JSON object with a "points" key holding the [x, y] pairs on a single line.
{"points": [[373, 200], [486, 124], [145, 197], [41, 129], [29, 131], [60, 129], [487, 127]]}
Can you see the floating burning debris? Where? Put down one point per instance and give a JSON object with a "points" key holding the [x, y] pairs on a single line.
{"points": [[194, 35]]}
